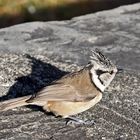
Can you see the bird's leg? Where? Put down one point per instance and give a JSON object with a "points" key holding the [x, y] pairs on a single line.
{"points": [[73, 120]]}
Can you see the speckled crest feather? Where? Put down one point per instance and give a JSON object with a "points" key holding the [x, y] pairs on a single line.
{"points": [[100, 58]]}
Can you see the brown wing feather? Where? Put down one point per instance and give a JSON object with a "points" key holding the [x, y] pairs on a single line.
{"points": [[73, 87], [59, 93]]}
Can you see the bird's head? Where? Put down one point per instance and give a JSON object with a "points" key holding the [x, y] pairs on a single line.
{"points": [[102, 70]]}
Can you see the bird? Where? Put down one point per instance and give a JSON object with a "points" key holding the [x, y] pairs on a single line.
{"points": [[73, 93]]}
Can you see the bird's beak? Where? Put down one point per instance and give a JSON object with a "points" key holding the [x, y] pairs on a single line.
{"points": [[119, 70]]}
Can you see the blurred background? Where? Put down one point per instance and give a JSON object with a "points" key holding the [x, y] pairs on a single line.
{"points": [[19, 11]]}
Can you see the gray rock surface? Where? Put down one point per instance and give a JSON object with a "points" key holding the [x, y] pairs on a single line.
{"points": [[34, 54]]}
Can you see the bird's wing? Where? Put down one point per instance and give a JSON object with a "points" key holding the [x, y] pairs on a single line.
{"points": [[60, 92]]}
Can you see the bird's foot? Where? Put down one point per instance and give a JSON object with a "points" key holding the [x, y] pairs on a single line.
{"points": [[72, 120]]}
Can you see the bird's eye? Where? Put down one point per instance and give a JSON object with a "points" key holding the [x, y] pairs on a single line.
{"points": [[111, 72]]}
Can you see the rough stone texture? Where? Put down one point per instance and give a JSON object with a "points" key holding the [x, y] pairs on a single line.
{"points": [[34, 54]]}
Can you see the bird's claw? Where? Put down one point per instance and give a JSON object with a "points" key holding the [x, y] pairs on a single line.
{"points": [[72, 120]]}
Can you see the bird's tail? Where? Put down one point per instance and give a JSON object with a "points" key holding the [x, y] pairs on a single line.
{"points": [[17, 102]]}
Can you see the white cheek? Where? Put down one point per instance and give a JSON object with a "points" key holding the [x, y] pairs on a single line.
{"points": [[111, 78], [96, 80]]}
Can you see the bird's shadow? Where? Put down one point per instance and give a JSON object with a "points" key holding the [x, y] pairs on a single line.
{"points": [[42, 75]]}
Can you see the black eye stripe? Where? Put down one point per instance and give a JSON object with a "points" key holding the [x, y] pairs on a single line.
{"points": [[99, 72]]}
